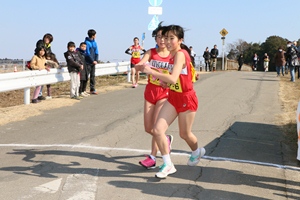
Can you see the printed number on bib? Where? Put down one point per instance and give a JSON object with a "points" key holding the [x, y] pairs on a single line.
{"points": [[155, 80], [176, 87], [136, 54]]}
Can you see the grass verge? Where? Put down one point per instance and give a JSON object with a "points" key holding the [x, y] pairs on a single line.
{"points": [[289, 94]]}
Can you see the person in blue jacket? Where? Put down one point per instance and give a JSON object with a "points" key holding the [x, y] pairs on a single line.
{"points": [[92, 57]]}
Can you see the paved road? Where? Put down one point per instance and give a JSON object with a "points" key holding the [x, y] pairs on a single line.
{"points": [[91, 150]]}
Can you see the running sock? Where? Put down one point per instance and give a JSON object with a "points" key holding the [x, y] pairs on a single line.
{"points": [[196, 152], [167, 159], [152, 157]]}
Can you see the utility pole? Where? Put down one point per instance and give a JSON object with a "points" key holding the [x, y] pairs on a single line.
{"points": [[223, 43]]}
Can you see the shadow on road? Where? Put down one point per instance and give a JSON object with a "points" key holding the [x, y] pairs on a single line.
{"points": [[243, 140]]}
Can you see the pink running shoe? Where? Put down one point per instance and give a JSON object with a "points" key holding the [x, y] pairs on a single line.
{"points": [[148, 163], [170, 140]]}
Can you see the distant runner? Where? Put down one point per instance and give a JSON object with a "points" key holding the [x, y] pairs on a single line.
{"points": [[135, 52]]}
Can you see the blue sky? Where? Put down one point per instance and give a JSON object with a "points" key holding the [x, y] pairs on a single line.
{"points": [[117, 22]]}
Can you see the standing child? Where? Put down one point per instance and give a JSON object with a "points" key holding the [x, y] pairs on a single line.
{"points": [[38, 62], [46, 44], [135, 52], [156, 93], [92, 56], [85, 72], [182, 101], [51, 62], [74, 64]]}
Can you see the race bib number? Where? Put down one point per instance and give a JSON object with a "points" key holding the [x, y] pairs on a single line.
{"points": [[136, 54], [176, 87], [155, 80]]}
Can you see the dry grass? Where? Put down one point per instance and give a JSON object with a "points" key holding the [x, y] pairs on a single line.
{"points": [[289, 93], [12, 106]]}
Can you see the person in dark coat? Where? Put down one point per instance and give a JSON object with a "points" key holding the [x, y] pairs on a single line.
{"points": [[240, 61], [214, 55], [280, 61], [75, 65], [206, 56], [85, 72], [292, 58]]}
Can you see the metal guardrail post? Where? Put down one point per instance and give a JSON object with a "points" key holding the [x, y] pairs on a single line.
{"points": [[128, 73], [26, 96]]}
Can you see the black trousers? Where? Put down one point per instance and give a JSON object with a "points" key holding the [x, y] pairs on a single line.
{"points": [[297, 68], [92, 78], [207, 65], [240, 67], [82, 87]]}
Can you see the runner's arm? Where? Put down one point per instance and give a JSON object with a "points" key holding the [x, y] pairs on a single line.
{"points": [[128, 51], [144, 51], [179, 62]]}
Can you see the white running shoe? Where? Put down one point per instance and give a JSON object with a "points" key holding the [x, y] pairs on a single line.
{"points": [[165, 170], [87, 94], [83, 94], [194, 160]]}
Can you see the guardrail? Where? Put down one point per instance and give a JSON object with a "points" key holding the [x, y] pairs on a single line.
{"points": [[27, 79]]}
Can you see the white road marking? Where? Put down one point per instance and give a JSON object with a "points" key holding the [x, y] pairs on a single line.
{"points": [[50, 187], [81, 186], [144, 151]]}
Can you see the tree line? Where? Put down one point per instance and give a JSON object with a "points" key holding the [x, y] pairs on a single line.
{"points": [[270, 46], [11, 61]]}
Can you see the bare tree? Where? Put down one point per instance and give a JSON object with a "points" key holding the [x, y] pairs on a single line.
{"points": [[236, 48]]}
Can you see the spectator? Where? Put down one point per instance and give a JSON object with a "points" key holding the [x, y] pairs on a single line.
{"points": [[83, 73], [206, 56], [193, 55], [38, 62], [280, 61], [240, 61], [266, 62], [46, 44], [135, 52], [51, 62], [292, 59], [92, 57], [255, 60], [213, 55], [297, 67], [74, 64]]}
